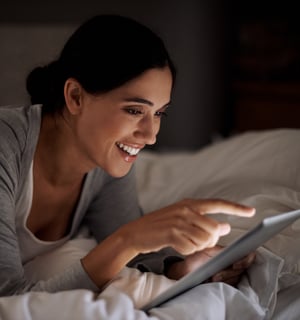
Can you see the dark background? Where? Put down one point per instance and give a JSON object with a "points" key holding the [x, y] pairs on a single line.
{"points": [[238, 61]]}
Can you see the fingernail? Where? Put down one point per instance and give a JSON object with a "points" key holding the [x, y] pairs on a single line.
{"points": [[225, 229], [252, 211]]}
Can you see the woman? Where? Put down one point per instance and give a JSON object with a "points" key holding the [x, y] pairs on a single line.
{"points": [[67, 161]]}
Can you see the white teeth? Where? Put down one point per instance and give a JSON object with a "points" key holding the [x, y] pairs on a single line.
{"points": [[129, 150]]}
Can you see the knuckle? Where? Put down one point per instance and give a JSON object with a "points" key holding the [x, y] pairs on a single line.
{"points": [[211, 240], [185, 210], [203, 241], [173, 234], [186, 202], [177, 223], [182, 248], [190, 249]]}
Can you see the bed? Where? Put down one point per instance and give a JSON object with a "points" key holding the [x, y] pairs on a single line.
{"points": [[261, 169]]}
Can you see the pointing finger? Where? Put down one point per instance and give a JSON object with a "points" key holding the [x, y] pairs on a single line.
{"points": [[213, 206]]}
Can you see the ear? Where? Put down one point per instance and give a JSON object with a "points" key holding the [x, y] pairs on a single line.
{"points": [[73, 92]]}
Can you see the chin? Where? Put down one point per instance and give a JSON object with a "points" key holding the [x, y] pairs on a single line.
{"points": [[118, 172]]}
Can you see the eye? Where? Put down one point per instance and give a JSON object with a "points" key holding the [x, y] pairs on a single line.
{"points": [[133, 111], [161, 114]]}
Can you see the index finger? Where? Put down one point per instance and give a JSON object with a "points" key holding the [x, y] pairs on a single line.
{"points": [[212, 206]]}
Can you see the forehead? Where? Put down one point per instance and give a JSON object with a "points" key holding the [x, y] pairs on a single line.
{"points": [[153, 88], [151, 83]]}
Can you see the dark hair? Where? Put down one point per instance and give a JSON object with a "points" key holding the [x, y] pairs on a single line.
{"points": [[102, 54]]}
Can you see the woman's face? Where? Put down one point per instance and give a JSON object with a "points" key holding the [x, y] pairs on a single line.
{"points": [[113, 127]]}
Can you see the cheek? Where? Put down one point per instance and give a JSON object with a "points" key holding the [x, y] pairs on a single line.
{"points": [[157, 126], [109, 131], [105, 128], [91, 133]]}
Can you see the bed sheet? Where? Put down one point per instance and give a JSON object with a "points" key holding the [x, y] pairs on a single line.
{"points": [[252, 300]]}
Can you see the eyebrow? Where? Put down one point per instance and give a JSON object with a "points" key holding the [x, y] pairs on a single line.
{"points": [[143, 101]]}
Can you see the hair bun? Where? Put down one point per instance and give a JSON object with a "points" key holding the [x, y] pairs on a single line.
{"points": [[40, 81]]}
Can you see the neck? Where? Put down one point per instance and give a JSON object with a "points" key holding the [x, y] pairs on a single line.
{"points": [[56, 151]]}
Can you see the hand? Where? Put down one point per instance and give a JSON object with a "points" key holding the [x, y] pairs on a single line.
{"points": [[233, 274], [184, 226], [230, 275]]}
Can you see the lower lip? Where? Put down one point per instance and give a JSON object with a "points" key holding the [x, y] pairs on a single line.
{"points": [[126, 156]]}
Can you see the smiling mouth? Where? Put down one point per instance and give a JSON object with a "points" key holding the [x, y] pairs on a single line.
{"points": [[129, 150]]}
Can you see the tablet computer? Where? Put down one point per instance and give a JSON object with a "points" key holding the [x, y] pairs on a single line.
{"points": [[247, 243]]}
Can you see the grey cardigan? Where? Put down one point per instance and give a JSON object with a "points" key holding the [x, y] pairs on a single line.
{"points": [[105, 204]]}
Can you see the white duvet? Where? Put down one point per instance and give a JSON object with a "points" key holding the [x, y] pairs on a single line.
{"points": [[258, 169]]}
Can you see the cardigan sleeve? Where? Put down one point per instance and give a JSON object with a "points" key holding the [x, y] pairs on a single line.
{"points": [[12, 277]]}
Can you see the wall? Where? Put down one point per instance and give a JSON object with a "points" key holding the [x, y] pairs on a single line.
{"points": [[32, 33]]}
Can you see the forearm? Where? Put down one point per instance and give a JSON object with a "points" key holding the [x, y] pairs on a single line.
{"points": [[108, 258]]}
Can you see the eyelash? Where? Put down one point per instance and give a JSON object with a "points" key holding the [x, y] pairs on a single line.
{"points": [[161, 114], [136, 112]]}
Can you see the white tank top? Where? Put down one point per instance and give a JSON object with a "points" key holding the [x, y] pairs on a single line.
{"points": [[30, 246]]}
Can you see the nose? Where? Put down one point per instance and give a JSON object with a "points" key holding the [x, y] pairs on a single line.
{"points": [[147, 130]]}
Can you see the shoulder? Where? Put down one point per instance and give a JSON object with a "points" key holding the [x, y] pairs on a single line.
{"points": [[18, 125], [19, 118]]}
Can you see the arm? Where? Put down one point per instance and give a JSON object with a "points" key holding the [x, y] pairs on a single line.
{"points": [[183, 226], [16, 149], [114, 205]]}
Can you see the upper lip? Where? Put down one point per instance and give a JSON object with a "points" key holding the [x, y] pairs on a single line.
{"points": [[132, 145]]}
